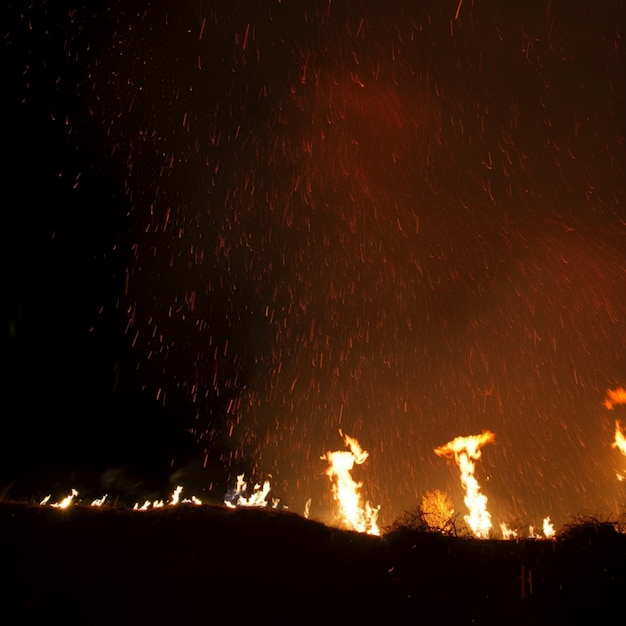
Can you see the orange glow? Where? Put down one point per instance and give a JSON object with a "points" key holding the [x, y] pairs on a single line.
{"points": [[466, 451], [346, 490], [615, 396]]}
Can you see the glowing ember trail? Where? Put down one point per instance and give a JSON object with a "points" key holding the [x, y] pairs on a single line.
{"points": [[346, 490], [465, 451]]}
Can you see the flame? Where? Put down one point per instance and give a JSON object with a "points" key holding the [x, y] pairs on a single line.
{"points": [[620, 438], [99, 501], [346, 490], [548, 528], [176, 495], [466, 450], [158, 504], [619, 443], [257, 498], [507, 533], [615, 396], [67, 501]]}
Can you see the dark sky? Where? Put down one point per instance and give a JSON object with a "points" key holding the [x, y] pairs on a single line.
{"points": [[235, 228]]}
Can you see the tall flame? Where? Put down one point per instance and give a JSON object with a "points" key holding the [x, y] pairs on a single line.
{"points": [[346, 490], [620, 438], [548, 528], [613, 397], [466, 451]]}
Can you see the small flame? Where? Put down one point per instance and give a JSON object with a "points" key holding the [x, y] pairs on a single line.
{"points": [[548, 528], [615, 396], [67, 501], [176, 495], [465, 451], [507, 533], [346, 490], [257, 498], [99, 501], [159, 504]]}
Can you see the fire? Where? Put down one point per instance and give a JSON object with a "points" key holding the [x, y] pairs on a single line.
{"points": [[466, 451], [620, 438], [66, 502], [175, 500], [257, 498], [346, 490], [548, 528], [615, 396], [507, 533], [99, 501], [176, 495]]}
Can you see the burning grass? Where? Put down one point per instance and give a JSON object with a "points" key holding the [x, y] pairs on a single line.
{"points": [[206, 564]]}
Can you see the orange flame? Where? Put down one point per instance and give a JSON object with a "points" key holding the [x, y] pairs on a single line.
{"points": [[507, 533], [615, 396], [466, 451], [620, 438], [346, 490]]}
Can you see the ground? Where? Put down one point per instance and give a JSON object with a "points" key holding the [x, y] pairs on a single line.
{"points": [[209, 564]]}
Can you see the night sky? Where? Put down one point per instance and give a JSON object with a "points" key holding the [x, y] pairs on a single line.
{"points": [[232, 229]]}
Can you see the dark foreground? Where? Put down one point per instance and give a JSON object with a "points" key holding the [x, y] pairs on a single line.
{"points": [[213, 565]]}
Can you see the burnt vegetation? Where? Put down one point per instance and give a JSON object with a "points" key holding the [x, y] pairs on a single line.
{"points": [[188, 564]]}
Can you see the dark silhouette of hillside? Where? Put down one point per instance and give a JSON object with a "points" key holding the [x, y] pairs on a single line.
{"points": [[214, 565]]}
